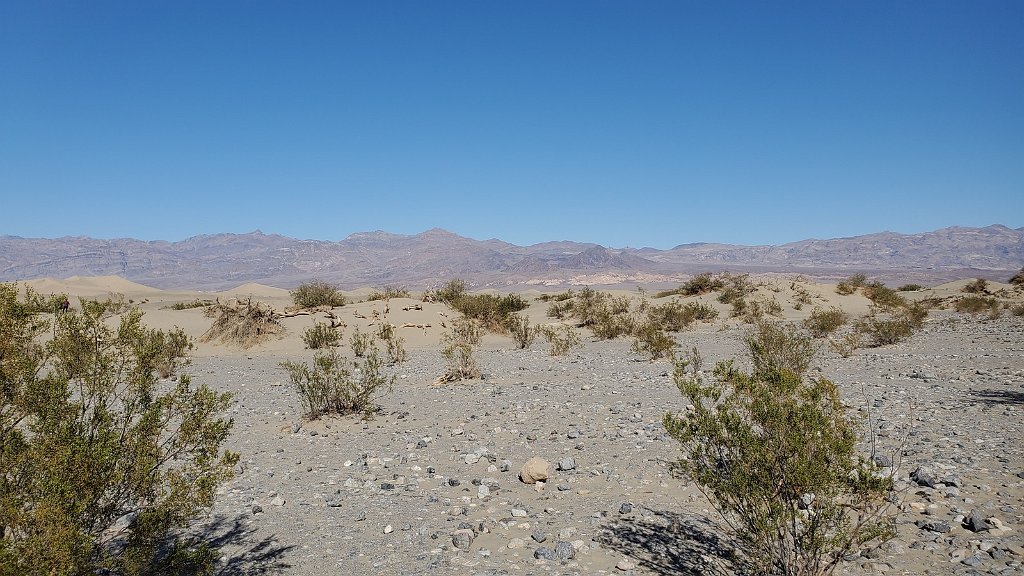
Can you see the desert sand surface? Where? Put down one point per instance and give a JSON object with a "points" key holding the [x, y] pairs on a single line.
{"points": [[386, 495]]}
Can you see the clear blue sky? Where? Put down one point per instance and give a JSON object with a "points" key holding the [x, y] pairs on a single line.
{"points": [[622, 123]]}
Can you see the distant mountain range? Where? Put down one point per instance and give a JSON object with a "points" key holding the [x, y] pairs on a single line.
{"points": [[218, 261]]}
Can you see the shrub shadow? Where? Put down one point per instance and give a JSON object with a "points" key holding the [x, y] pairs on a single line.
{"points": [[246, 555], [670, 543], [999, 396]]}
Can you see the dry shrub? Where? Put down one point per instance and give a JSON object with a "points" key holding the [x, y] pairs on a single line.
{"points": [[460, 343], [821, 323], [394, 344], [387, 293], [521, 331], [895, 328], [884, 297], [851, 284], [651, 341], [1017, 310], [846, 345], [979, 286], [336, 385], [976, 304], [699, 284], [243, 324], [910, 288], [561, 341], [1018, 278]]}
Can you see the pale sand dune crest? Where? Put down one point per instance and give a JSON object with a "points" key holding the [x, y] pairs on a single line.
{"points": [[257, 290], [90, 286]]}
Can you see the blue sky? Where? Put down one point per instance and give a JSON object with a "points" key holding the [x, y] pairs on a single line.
{"points": [[622, 123]]}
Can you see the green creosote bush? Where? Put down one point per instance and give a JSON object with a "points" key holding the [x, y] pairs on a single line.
{"points": [[699, 284], [979, 286], [491, 311], [846, 345], [459, 346], [197, 303], [895, 328], [447, 294], [316, 293], [777, 346], [884, 297], [146, 455], [387, 293], [360, 342], [394, 344], [559, 297], [335, 385], [561, 340], [910, 288], [321, 335], [822, 322], [775, 454], [522, 333], [976, 304], [851, 284], [652, 342], [559, 309]]}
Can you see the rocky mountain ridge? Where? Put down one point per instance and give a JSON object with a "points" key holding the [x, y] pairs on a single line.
{"points": [[216, 261]]}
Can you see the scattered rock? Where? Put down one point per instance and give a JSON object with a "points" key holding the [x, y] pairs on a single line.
{"points": [[534, 470], [463, 539]]}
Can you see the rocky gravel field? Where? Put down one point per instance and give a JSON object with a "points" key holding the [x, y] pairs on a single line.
{"points": [[435, 483]]}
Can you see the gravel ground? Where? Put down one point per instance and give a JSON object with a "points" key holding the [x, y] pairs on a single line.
{"points": [[430, 486]]}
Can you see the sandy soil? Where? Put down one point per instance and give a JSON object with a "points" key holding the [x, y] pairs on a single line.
{"points": [[386, 496]]}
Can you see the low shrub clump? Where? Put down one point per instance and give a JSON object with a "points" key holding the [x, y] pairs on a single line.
{"points": [[334, 385], [321, 335], [460, 344], [851, 284], [197, 303], [979, 286], [394, 344], [1017, 310], [1018, 278], [521, 331], [243, 324], [561, 340], [652, 342], [699, 284], [777, 346], [560, 297], [910, 288], [821, 322], [447, 294], [884, 297], [360, 342], [976, 304], [387, 293], [895, 328], [775, 453], [316, 293], [491, 311]]}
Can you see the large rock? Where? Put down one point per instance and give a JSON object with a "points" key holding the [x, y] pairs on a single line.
{"points": [[535, 470]]}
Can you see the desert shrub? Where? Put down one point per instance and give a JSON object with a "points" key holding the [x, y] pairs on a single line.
{"points": [[360, 342], [740, 307], [910, 288], [447, 294], [801, 297], [197, 303], [671, 316], [320, 335], [102, 465], [1018, 278], [770, 306], [491, 311], [821, 322], [776, 455], [560, 297], [976, 304], [334, 385], [700, 311], [884, 297], [851, 284], [559, 310], [609, 325], [699, 284], [387, 293], [652, 342], [735, 287], [846, 345], [885, 331], [316, 293], [979, 286], [561, 340], [394, 344], [777, 346], [1017, 310], [243, 324], [521, 331], [460, 343], [587, 306]]}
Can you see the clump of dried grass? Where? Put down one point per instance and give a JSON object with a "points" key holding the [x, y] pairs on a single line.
{"points": [[245, 324]]}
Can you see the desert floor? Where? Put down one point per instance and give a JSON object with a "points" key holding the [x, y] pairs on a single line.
{"points": [[386, 496]]}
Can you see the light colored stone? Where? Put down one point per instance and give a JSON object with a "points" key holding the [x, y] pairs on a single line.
{"points": [[535, 470]]}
